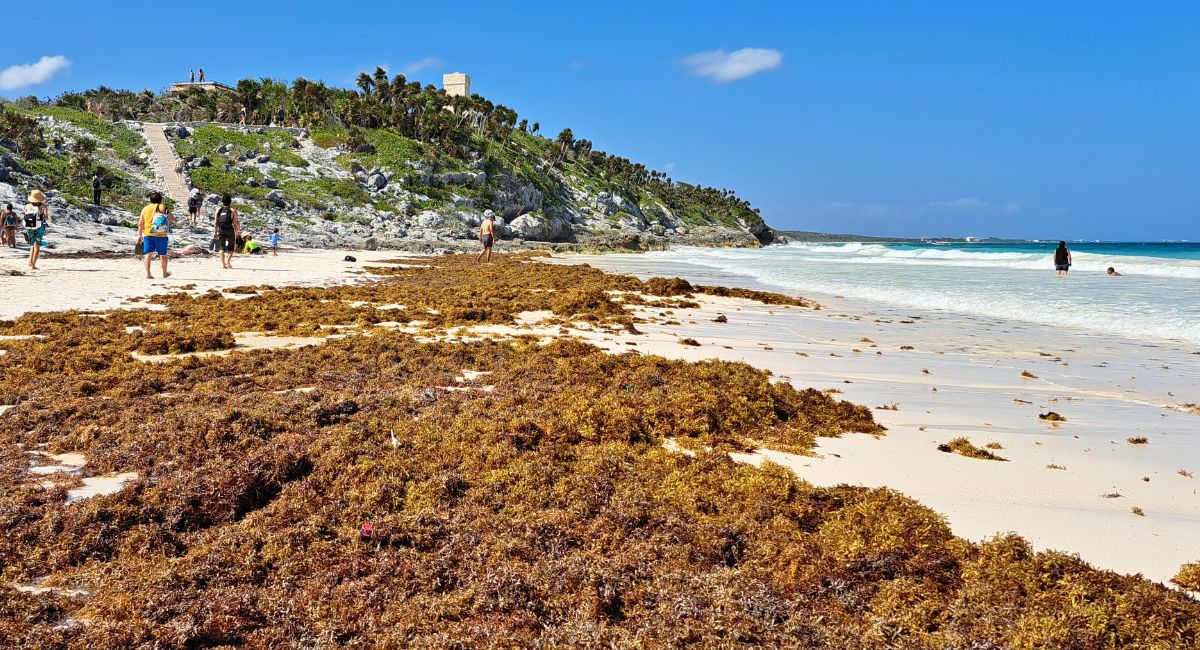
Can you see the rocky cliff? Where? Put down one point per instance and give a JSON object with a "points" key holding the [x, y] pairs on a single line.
{"points": [[369, 188]]}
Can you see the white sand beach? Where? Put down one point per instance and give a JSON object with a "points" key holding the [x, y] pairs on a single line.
{"points": [[961, 377]]}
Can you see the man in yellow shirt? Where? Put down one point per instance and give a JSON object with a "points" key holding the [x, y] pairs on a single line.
{"points": [[153, 227]]}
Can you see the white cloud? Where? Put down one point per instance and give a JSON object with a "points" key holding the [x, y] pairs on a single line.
{"points": [[723, 67], [965, 203], [30, 74], [413, 67], [668, 167], [1013, 207]]}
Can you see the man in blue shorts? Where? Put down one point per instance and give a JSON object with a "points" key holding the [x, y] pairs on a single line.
{"points": [[153, 227]]}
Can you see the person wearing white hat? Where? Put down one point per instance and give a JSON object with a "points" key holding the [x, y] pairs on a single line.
{"points": [[36, 217]]}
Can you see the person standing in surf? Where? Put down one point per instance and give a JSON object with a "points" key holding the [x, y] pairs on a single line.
{"points": [[1062, 260]]}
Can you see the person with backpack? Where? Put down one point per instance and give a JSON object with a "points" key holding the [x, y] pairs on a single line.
{"points": [[97, 185], [194, 202], [154, 226], [8, 227], [226, 229], [36, 216]]}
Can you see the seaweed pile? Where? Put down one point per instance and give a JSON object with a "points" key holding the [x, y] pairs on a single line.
{"points": [[372, 490]]}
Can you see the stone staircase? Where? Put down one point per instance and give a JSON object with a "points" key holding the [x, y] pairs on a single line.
{"points": [[164, 158]]}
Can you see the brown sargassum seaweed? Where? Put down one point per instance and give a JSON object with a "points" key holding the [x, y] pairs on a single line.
{"points": [[544, 511]]}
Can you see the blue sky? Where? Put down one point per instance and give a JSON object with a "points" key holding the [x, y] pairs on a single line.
{"points": [[1035, 119]]}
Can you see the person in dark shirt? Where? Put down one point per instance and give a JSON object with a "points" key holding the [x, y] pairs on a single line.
{"points": [[1062, 260], [97, 185]]}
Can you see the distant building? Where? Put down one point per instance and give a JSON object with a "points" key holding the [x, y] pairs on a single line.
{"points": [[971, 240], [181, 86], [457, 84]]}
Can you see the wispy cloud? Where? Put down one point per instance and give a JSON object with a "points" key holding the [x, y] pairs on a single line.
{"points": [[668, 167], [964, 203], [974, 203], [31, 74], [723, 67], [413, 67]]}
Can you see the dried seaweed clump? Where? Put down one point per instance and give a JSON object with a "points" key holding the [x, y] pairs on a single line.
{"points": [[1138, 440], [668, 287], [963, 447], [765, 297], [1188, 576], [180, 339]]}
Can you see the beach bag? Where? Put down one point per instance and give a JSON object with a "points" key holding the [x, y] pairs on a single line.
{"points": [[31, 219], [160, 225], [349, 258]]}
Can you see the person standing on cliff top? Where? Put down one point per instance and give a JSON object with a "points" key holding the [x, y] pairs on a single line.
{"points": [[487, 236], [201, 75], [192, 75]]}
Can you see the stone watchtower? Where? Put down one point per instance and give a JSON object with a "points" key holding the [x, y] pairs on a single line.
{"points": [[456, 84]]}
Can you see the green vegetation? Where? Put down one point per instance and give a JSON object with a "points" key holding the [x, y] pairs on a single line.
{"points": [[214, 180], [340, 491], [405, 122], [124, 143], [206, 139], [107, 147]]}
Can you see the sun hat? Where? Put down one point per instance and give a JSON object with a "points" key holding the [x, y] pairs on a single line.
{"points": [[37, 196]]}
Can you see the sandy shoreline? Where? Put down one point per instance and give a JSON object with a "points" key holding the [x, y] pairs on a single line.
{"points": [[975, 372]]}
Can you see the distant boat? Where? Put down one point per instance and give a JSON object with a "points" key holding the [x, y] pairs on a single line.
{"points": [[941, 243]]}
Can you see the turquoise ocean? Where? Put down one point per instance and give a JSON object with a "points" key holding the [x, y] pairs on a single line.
{"points": [[1156, 299]]}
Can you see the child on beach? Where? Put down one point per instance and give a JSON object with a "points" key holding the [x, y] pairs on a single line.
{"points": [[36, 217], [8, 227], [275, 243]]}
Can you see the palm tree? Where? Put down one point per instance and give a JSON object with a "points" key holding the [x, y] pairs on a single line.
{"points": [[365, 83], [564, 140], [536, 127], [382, 88]]}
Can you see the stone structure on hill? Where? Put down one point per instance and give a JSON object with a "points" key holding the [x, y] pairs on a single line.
{"points": [[457, 84], [207, 86]]}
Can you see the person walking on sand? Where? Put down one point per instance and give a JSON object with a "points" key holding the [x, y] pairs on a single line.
{"points": [[226, 229], [36, 216], [1062, 260], [194, 206], [487, 236], [154, 225], [275, 243], [8, 227]]}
